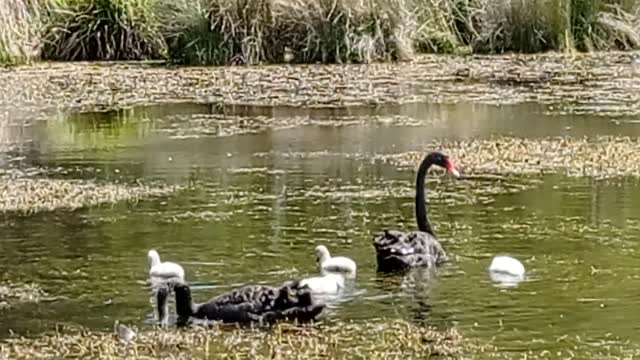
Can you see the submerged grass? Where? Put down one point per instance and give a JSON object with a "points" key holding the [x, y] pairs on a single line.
{"points": [[17, 293], [205, 32], [27, 195], [379, 339], [605, 84]]}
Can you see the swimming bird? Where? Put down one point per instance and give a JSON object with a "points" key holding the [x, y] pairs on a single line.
{"points": [[326, 284], [397, 250], [248, 304], [163, 270], [337, 264], [506, 269]]}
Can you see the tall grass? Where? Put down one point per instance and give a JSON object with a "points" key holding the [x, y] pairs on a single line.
{"points": [[262, 31], [102, 30], [541, 25], [214, 32], [20, 30]]}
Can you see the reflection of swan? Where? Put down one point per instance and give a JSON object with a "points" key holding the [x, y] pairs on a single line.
{"points": [[410, 294], [506, 270], [397, 250], [337, 264], [252, 303], [164, 270]]}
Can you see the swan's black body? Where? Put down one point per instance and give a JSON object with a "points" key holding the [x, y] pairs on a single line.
{"points": [[397, 250], [252, 303]]}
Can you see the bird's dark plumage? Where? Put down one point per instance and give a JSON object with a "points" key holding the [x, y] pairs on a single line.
{"points": [[252, 303]]}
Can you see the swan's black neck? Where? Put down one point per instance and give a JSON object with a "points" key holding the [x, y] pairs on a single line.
{"points": [[162, 304], [184, 303], [421, 202]]}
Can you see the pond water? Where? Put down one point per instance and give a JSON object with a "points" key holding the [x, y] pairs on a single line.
{"points": [[256, 204]]}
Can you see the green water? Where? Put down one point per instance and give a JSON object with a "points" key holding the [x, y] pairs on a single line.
{"points": [[257, 204]]}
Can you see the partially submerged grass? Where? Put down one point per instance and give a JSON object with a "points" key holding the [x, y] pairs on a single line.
{"points": [[596, 83], [29, 195], [599, 157], [17, 293], [379, 339]]}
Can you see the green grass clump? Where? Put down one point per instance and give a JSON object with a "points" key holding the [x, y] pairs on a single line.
{"points": [[20, 31], [102, 30]]}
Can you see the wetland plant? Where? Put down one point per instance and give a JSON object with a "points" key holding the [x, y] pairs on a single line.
{"points": [[102, 30], [20, 31], [220, 32]]}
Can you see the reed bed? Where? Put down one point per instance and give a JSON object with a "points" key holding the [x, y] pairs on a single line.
{"points": [[219, 32]]}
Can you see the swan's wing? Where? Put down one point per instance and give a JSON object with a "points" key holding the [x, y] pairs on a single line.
{"points": [[234, 313], [389, 238], [300, 314], [424, 243], [245, 294]]}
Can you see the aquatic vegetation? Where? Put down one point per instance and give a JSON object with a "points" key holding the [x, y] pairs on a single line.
{"points": [[603, 84], [379, 338], [29, 195], [17, 293], [600, 157]]}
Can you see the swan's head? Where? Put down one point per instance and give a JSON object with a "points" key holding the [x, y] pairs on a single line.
{"points": [[153, 257], [322, 254], [441, 159]]}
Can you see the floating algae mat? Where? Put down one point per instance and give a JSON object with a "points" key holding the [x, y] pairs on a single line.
{"points": [[33, 195], [376, 339], [18, 293], [603, 83], [600, 157]]}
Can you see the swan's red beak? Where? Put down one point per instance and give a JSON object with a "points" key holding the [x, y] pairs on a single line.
{"points": [[451, 168]]}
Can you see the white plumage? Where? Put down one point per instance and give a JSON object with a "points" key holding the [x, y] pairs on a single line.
{"points": [[338, 264], [327, 284], [506, 269], [164, 270]]}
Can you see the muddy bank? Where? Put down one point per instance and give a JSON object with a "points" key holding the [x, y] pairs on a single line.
{"points": [[604, 82], [376, 338]]}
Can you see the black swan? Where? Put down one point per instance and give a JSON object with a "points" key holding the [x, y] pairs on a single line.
{"points": [[397, 250], [248, 304]]}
